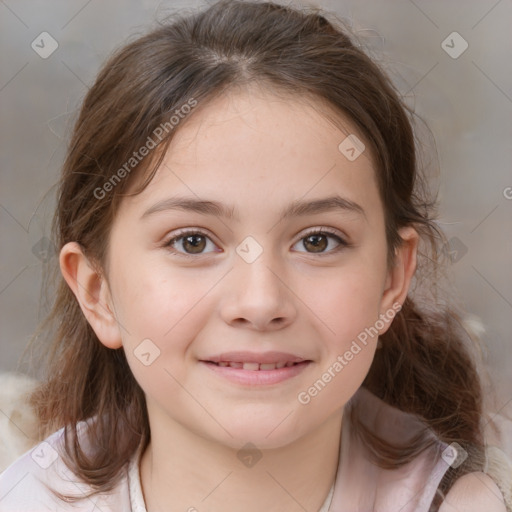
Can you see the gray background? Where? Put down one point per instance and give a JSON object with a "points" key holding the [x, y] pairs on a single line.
{"points": [[467, 102]]}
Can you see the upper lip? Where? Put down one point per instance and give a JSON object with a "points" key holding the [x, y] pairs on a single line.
{"points": [[255, 357]]}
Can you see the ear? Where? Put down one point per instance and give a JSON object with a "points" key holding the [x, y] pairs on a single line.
{"points": [[92, 293], [399, 276]]}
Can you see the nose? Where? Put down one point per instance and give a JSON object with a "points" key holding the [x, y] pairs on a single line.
{"points": [[258, 296]]}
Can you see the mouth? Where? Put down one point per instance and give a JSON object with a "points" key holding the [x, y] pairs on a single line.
{"points": [[254, 369], [254, 366]]}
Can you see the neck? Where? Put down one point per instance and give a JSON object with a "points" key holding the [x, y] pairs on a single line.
{"points": [[184, 471]]}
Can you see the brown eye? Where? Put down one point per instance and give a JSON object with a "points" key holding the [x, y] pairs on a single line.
{"points": [[194, 244], [320, 242], [317, 243], [190, 243]]}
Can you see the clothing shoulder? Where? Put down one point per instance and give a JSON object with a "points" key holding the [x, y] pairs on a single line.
{"points": [[23, 485], [474, 492], [33, 481]]}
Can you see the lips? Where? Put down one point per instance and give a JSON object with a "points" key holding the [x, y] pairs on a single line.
{"points": [[252, 370], [254, 366], [265, 361]]}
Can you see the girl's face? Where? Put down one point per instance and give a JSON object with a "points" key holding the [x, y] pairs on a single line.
{"points": [[283, 261]]}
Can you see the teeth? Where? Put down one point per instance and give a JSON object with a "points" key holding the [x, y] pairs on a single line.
{"points": [[255, 366], [251, 366]]}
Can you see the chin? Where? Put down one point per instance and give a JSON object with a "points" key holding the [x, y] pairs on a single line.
{"points": [[266, 430], [250, 438]]}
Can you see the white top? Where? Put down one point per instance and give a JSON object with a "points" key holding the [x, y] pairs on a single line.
{"points": [[360, 485]]}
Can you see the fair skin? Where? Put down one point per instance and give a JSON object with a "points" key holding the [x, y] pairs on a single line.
{"points": [[474, 492], [256, 153]]}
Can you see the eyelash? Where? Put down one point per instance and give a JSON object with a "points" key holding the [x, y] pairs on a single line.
{"points": [[316, 231]]}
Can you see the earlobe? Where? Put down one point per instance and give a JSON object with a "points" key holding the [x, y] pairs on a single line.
{"points": [[401, 273], [92, 293]]}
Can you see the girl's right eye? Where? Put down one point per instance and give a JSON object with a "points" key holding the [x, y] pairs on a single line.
{"points": [[194, 243]]}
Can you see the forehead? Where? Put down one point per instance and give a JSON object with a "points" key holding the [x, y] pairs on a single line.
{"points": [[241, 122], [255, 142]]}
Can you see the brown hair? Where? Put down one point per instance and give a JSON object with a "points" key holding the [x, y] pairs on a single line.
{"points": [[423, 367]]}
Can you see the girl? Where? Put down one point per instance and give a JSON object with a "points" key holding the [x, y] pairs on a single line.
{"points": [[238, 221]]}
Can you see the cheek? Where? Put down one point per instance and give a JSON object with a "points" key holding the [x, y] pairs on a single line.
{"points": [[349, 308], [161, 315], [348, 302], [158, 303]]}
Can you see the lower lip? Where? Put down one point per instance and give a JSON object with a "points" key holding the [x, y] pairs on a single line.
{"points": [[257, 377]]}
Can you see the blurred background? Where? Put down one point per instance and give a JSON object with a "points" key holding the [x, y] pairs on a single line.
{"points": [[448, 59]]}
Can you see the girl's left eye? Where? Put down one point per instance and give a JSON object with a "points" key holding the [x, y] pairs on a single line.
{"points": [[318, 240], [194, 242]]}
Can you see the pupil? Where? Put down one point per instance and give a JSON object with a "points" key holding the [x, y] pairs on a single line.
{"points": [[316, 243], [198, 246]]}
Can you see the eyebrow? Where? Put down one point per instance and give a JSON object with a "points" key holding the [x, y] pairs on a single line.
{"points": [[295, 209]]}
